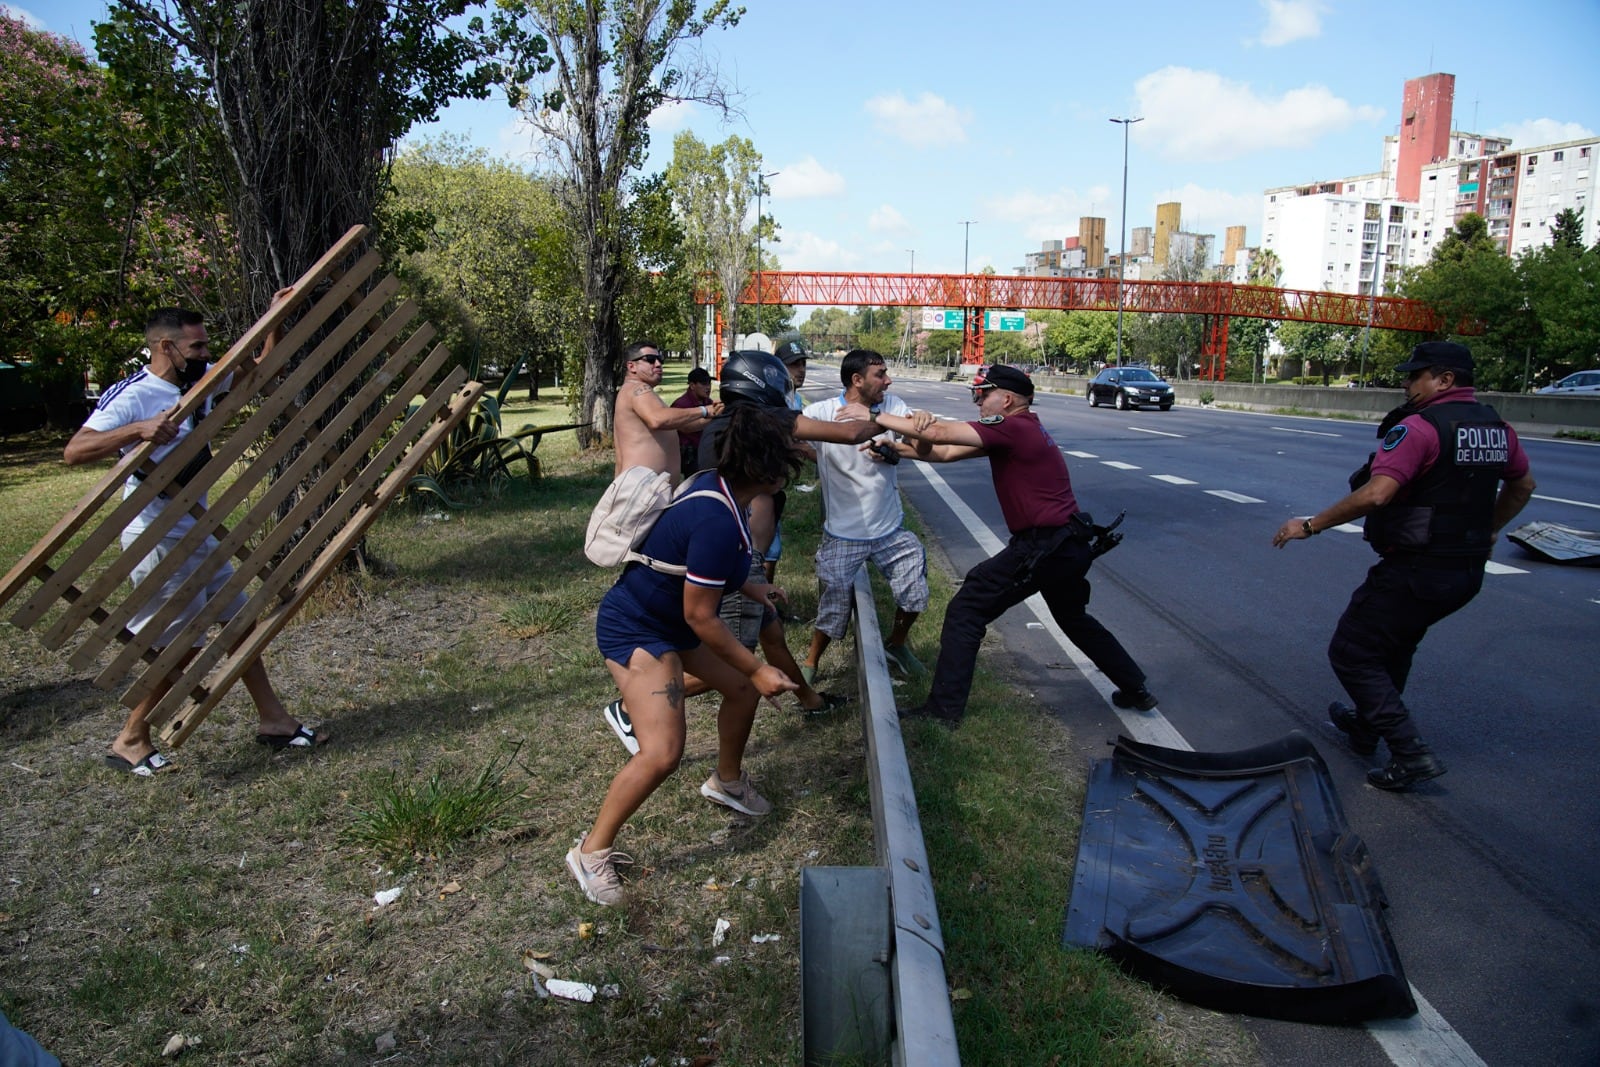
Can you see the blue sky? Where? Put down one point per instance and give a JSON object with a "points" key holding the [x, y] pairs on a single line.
{"points": [[890, 123]]}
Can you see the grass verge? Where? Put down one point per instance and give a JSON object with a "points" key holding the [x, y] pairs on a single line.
{"points": [[233, 899]]}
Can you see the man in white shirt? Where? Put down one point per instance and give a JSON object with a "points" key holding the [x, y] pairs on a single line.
{"points": [[137, 409], [863, 519]]}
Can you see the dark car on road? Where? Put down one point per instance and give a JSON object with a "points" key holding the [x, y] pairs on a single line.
{"points": [[1129, 387]]}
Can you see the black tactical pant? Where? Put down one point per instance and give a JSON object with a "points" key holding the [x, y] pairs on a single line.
{"points": [[1025, 566], [1379, 632]]}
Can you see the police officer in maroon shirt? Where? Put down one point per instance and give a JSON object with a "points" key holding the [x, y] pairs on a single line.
{"points": [[1447, 477], [1050, 549]]}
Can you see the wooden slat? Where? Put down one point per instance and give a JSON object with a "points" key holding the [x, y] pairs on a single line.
{"points": [[210, 523], [361, 504], [305, 511], [159, 476], [75, 519]]}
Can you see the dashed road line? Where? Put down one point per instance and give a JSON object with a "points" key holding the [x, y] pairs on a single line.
{"points": [[1080, 455], [1237, 498], [1501, 568], [1158, 433], [1348, 527], [1118, 465], [1313, 433], [1173, 479]]}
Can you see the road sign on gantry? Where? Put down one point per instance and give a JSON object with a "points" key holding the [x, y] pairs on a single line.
{"points": [[942, 319], [320, 434], [1004, 321]]}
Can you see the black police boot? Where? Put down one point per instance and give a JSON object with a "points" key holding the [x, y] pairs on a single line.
{"points": [[1140, 698], [1343, 717], [1403, 772], [922, 711]]}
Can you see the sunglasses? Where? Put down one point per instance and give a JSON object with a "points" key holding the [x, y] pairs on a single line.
{"points": [[648, 357]]}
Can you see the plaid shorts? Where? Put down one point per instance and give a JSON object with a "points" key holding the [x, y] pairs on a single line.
{"points": [[898, 555], [746, 617]]}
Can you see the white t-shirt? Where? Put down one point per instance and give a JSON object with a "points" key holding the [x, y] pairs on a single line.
{"points": [[860, 495], [144, 396]]}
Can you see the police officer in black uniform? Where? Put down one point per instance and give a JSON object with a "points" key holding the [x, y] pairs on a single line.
{"points": [[1447, 477]]}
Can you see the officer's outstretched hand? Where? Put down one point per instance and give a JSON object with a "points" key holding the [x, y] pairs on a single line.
{"points": [[1291, 530]]}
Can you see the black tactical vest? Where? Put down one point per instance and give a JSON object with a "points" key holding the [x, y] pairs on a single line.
{"points": [[1448, 510]]}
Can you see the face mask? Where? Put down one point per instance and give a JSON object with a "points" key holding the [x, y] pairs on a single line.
{"points": [[193, 371]]}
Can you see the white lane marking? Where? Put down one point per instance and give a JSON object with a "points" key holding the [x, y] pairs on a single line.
{"points": [[1424, 1040], [1173, 479], [1080, 455], [1119, 465], [1501, 568], [1349, 527], [1313, 433], [1158, 433], [1237, 498], [1563, 500]]}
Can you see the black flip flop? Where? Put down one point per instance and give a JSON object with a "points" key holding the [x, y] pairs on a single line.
{"points": [[149, 767], [303, 737]]}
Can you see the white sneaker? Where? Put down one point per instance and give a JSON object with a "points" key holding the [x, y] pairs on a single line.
{"points": [[596, 871], [741, 796], [621, 725]]}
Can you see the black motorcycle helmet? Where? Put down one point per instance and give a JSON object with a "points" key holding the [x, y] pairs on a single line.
{"points": [[752, 377]]}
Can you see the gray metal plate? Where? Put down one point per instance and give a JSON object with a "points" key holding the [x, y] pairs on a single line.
{"points": [[1232, 880], [1558, 544]]}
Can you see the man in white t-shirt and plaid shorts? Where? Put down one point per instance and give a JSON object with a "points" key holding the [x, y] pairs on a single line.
{"points": [[863, 520]]}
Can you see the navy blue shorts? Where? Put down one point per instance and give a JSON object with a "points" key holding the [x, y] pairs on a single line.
{"points": [[621, 626]]}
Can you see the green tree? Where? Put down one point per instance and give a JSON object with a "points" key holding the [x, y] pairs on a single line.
{"points": [[605, 68], [1321, 348], [309, 101], [1561, 287], [658, 299], [1473, 286], [1566, 231], [1083, 338], [1248, 339], [485, 253], [713, 187]]}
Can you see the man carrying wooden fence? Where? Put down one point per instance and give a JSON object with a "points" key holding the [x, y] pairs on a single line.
{"points": [[139, 409]]}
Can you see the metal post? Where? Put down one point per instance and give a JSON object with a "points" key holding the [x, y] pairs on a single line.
{"points": [[761, 185], [966, 242], [1122, 260]]}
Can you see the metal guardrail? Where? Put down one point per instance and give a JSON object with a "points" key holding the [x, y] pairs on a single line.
{"points": [[872, 980]]}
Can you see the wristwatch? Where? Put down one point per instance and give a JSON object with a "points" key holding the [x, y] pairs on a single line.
{"points": [[1311, 531]]}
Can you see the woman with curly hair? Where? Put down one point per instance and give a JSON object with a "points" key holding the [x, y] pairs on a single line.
{"points": [[654, 625]]}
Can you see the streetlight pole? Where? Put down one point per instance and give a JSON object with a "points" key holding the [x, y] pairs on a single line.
{"points": [[1122, 259], [761, 186], [966, 242]]}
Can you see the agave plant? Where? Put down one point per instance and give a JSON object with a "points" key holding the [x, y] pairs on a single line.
{"points": [[479, 456]]}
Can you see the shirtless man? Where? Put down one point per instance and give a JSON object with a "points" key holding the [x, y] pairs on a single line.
{"points": [[646, 428]]}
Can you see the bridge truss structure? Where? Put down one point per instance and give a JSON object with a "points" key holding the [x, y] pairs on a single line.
{"points": [[1216, 302]]}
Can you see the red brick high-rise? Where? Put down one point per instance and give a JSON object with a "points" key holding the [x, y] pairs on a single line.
{"points": [[1424, 129]]}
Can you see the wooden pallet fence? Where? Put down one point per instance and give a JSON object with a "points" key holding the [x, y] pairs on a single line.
{"points": [[318, 448]]}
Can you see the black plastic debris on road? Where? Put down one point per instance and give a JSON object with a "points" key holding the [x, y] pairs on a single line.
{"points": [[1232, 880], [1558, 544]]}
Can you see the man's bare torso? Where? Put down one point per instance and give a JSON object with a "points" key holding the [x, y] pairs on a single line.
{"points": [[637, 445]]}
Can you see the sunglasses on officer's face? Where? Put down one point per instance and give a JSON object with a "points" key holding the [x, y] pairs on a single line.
{"points": [[648, 357]]}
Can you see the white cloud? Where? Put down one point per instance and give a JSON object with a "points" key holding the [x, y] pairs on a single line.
{"points": [[1291, 20], [806, 179], [1532, 133], [925, 122], [887, 220], [669, 118], [1051, 216], [1214, 210], [1200, 115], [24, 16], [805, 250]]}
